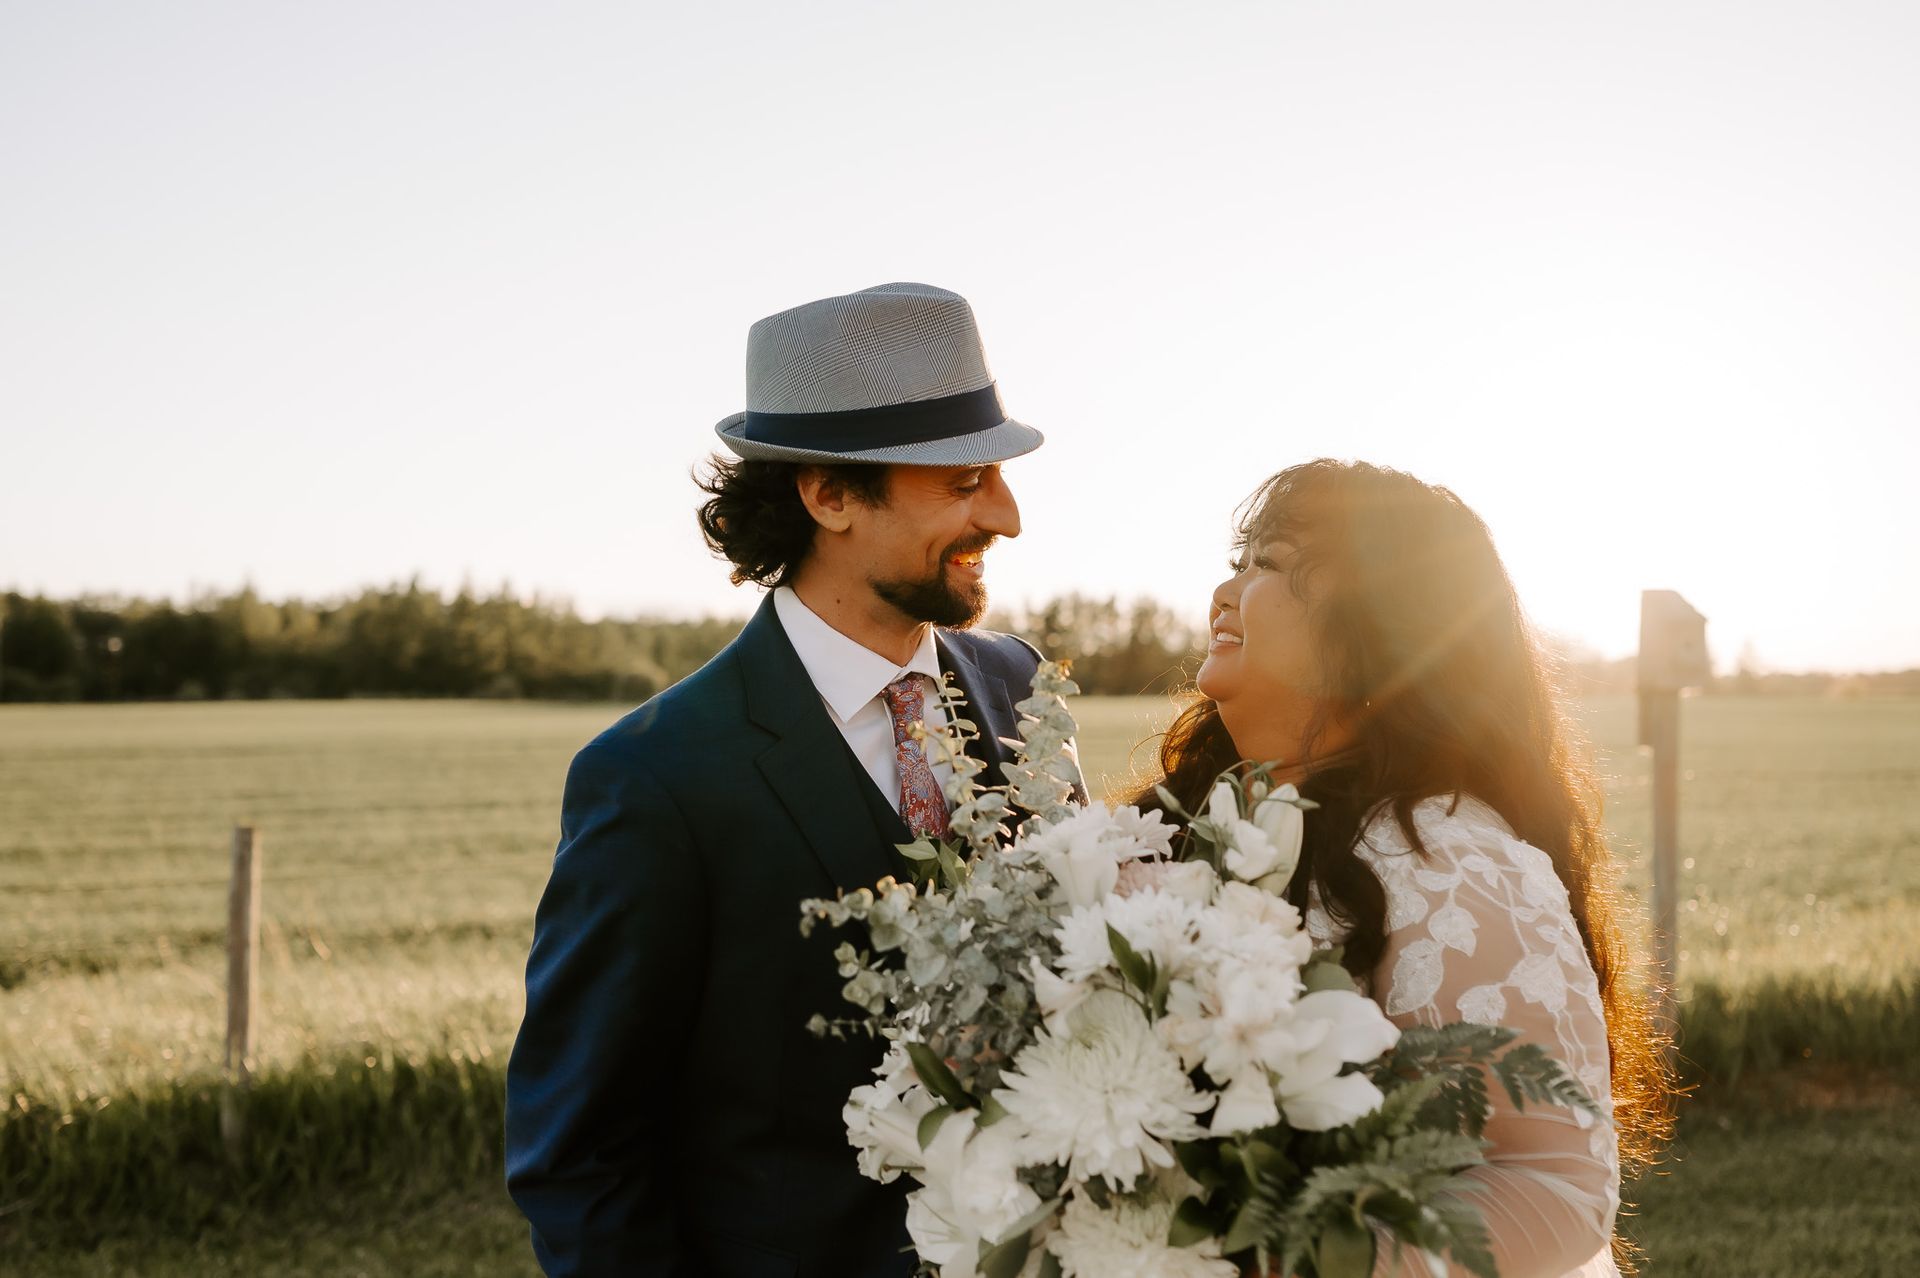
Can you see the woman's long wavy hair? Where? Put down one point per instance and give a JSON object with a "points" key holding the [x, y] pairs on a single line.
{"points": [[1432, 666]]}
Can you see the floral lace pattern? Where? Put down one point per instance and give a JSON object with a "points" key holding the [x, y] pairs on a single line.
{"points": [[1480, 929]]}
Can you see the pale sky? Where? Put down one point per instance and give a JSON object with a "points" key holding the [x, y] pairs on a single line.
{"points": [[318, 296]]}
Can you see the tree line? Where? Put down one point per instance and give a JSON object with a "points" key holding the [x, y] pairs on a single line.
{"points": [[408, 641]]}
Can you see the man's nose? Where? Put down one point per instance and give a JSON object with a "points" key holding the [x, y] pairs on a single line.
{"points": [[1000, 514]]}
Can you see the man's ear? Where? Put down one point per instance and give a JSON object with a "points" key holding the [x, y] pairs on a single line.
{"points": [[825, 498]]}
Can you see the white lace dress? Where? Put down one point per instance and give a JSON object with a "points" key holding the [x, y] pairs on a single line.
{"points": [[1480, 930]]}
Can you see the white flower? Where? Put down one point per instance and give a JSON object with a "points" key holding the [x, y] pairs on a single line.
{"points": [[1158, 925], [1285, 826], [1335, 1028], [883, 1118], [1250, 851], [1246, 1104], [1252, 926], [1128, 1239], [1084, 852], [1190, 880], [1054, 994], [970, 1191], [1102, 1096], [1335, 1102]]}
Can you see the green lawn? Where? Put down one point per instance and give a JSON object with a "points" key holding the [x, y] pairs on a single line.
{"points": [[406, 843]]}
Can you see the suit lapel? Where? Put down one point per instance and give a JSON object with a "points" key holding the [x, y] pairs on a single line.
{"points": [[989, 705], [808, 765]]}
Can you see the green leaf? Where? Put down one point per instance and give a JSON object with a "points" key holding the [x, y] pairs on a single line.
{"points": [[1200, 1159], [991, 1111], [1004, 1260], [1034, 1219], [1345, 1250], [930, 1124], [1249, 1227], [1192, 1224], [1138, 971], [1050, 1266], [936, 1077], [1328, 976], [1265, 1162]]}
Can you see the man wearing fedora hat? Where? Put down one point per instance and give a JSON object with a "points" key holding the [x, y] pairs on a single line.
{"points": [[667, 1110]]}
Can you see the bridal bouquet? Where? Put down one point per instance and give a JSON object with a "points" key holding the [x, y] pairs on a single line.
{"points": [[1112, 1054]]}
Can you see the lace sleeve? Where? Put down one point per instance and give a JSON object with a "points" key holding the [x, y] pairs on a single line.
{"points": [[1481, 930]]}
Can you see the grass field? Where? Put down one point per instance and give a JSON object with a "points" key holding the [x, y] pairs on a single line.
{"points": [[406, 843]]}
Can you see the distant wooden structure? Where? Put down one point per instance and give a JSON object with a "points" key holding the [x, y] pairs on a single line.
{"points": [[1673, 657], [243, 961]]}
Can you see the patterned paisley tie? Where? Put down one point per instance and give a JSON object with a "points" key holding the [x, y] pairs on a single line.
{"points": [[922, 805]]}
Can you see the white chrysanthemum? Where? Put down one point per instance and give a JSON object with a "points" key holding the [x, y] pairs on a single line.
{"points": [[1158, 925], [1128, 1239], [1102, 1096], [1084, 852], [970, 1191], [1248, 925], [883, 1118]]}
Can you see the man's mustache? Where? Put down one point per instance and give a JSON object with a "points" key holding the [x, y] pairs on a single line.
{"points": [[968, 547]]}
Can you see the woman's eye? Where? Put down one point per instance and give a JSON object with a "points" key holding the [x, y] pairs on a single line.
{"points": [[1263, 563]]}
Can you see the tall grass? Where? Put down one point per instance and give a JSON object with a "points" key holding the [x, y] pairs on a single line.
{"points": [[76, 1169], [1729, 1031], [153, 1158]]}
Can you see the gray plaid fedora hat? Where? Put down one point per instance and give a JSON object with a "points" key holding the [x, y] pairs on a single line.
{"points": [[894, 373]]}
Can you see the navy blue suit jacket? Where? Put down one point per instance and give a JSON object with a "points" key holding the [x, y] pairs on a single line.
{"points": [[667, 1111]]}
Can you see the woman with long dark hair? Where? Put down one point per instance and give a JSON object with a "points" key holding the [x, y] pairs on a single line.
{"points": [[1368, 639]]}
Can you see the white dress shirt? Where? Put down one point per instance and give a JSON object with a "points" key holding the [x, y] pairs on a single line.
{"points": [[850, 677]]}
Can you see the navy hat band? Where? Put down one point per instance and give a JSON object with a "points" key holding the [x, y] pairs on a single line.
{"points": [[861, 430]]}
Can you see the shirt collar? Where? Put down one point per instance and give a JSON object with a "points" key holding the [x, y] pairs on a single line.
{"points": [[846, 674]]}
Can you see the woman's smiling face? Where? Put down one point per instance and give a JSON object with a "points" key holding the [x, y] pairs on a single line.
{"points": [[1262, 666]]}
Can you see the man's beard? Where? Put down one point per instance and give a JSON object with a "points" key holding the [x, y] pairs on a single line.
{"points": [[934, 599]]}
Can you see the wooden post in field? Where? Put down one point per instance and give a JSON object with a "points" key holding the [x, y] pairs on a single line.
{"points": [[1673, 656], [243, 958]]}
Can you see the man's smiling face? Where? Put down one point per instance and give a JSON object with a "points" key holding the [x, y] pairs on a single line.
{"points": [[923, 549]]}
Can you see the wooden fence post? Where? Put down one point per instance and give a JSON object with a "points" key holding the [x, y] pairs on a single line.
{"points": [[243, 959], [1673, 656]]}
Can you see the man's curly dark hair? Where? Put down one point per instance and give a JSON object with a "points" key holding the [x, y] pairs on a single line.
{"points": [[753, 516]]}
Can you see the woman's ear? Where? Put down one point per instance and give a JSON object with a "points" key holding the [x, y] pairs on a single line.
{"points": [[825, 498]]}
